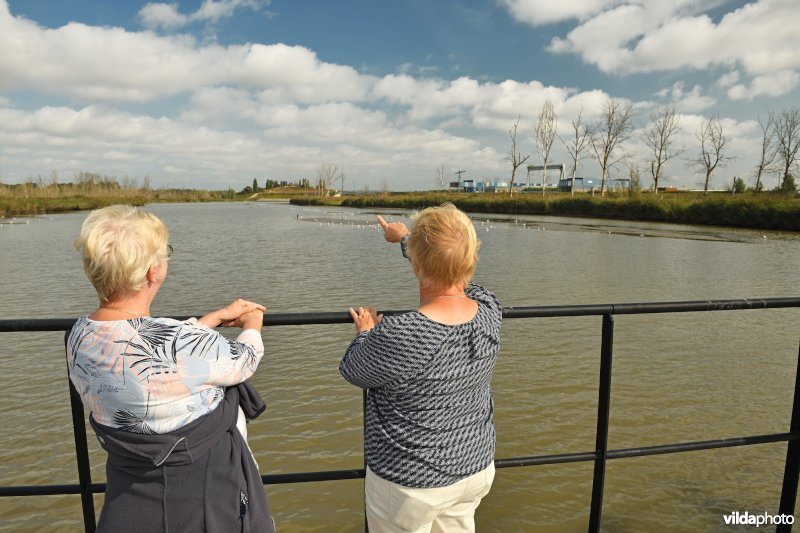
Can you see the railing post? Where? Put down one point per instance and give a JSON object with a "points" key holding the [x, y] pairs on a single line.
{"points": [[603, 410], [364, 452], [791, 471], [82, 455], [81, 452]]}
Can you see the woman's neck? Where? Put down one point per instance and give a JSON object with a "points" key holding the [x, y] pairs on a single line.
{"points": [[449, 306], [431, 294], [133, 305]]}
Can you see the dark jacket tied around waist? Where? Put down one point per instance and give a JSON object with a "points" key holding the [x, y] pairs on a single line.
{"points": [[200, 477]]}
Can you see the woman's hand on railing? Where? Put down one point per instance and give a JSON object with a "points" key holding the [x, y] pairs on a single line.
{"points": [[251, 320], [394, 231], [366, 318], [232, 314]]}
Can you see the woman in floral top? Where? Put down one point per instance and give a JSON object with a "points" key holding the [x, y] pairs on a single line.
{"points": [[147, 376]]}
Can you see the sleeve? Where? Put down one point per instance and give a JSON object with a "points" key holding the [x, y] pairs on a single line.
{"points": [[227, 362], [386, 354], [404, 246], [484, 297]]}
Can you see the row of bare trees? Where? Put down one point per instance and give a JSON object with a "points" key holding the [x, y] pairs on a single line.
{"points": [[780, 142], [605, 139]]}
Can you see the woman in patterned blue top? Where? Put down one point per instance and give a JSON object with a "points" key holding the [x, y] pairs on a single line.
{"points": [[430, 438]]}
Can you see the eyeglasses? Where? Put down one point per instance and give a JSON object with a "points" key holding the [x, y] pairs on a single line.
{"points": [[170, 249]]}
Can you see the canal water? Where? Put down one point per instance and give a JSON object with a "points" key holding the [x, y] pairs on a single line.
{"points": [[677, 377]]}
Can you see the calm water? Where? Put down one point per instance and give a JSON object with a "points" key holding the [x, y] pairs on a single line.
{"points": [[677, 377]]}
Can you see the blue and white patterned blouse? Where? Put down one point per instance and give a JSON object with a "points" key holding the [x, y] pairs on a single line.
{"points": [[154, 375]]}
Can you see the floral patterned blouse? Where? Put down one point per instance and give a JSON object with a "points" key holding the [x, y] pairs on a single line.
{"points": [[154, 375]]}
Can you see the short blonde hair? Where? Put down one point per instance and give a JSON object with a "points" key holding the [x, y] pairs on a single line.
{"points": [[119, 244], [443, 246]]}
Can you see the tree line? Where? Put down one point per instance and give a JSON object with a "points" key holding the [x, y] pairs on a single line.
{"points": [[604, 139], [327, 177]]}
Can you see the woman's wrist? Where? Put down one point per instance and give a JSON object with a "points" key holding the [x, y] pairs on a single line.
{"points": [[211, 320], [253, 321]]}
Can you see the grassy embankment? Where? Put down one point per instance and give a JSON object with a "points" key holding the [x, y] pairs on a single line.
{"points": [[34, 199], [745, 210], [92, 191]]}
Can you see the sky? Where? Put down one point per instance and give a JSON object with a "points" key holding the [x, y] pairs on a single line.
{"points": [[212, 94]]}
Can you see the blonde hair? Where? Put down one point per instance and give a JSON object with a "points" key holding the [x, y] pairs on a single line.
{"points": [[443, 246], [119, 244]]}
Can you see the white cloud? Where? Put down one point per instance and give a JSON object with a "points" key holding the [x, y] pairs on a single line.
{"points": [[111, 64], [164, 16], [728, 79], [650, 36], [774, 84], [690, 101], [539, 12], [157, 15]]}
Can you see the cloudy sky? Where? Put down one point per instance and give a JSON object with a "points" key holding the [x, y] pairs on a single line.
{"points": [[214, 93]]}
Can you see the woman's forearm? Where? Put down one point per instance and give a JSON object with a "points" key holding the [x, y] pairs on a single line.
{"points": [[212, 319]]}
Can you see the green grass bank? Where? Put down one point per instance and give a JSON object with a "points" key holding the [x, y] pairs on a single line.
{"points": [[32, 199], [745, 210]]}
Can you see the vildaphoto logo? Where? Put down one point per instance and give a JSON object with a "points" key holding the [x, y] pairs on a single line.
{"points": [[764, 519]]}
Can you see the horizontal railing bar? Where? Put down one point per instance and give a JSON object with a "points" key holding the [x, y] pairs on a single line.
{"points": [[302, 477], [359, 473], [50, 490], [40, 490], [545, 459], [649, 307], [702, 445], [336, 317]]}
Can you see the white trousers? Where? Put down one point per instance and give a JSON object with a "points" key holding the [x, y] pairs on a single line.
{"points": [[393, 508]]}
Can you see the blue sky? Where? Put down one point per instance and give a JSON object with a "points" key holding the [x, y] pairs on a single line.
{"points": [[214, 93]]}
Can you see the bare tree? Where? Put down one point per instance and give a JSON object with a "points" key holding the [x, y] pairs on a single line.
{"points": [[613, 128], [327, 175], [546, 129], [659, 139], [581, 141], [787, 135], [514, 156], [769, 150], [441, 173], [712, 147]]}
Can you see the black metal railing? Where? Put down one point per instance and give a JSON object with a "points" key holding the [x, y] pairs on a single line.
{"points": [[600, 455]]}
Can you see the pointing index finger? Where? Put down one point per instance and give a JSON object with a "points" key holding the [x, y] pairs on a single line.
{"points": [[382, 222]]}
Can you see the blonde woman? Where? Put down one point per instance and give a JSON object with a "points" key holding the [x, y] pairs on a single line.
{"points": [[430, 438], [167, 398]]}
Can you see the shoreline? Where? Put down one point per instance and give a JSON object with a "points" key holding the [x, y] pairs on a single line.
{"points": [[763, 211]]}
